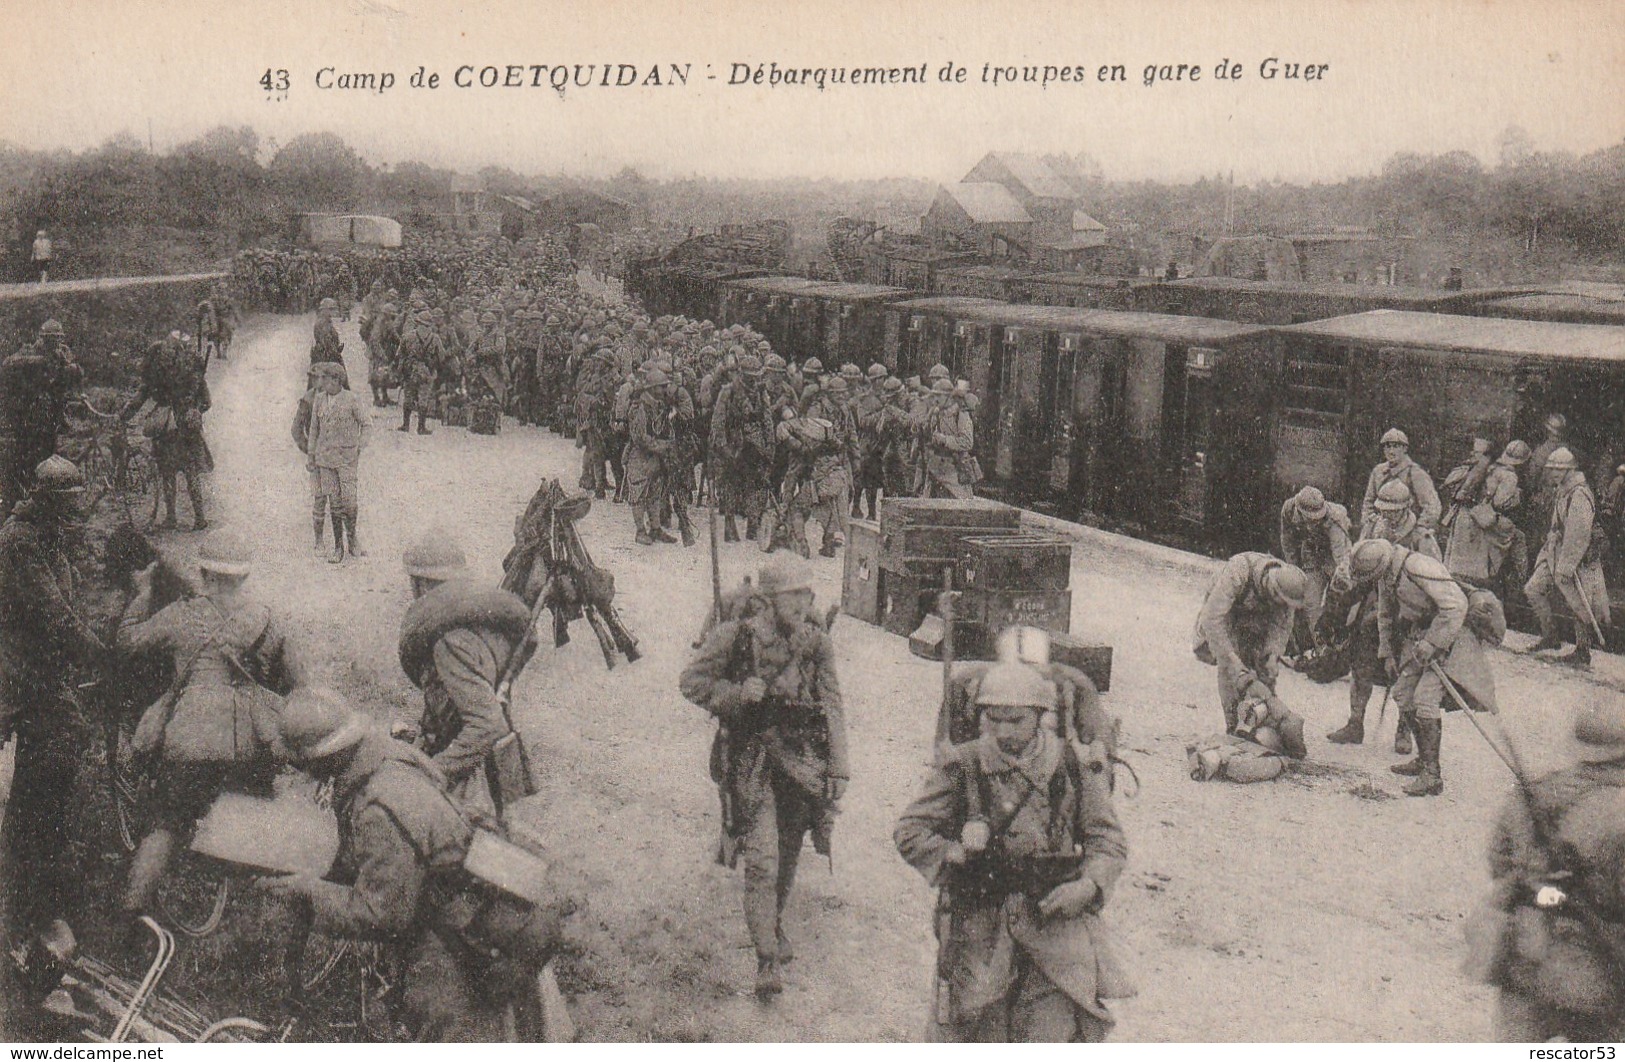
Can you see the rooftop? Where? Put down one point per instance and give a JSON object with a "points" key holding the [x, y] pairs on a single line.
{"points": [[988, 203], [1490, 335], [1032, 173]]}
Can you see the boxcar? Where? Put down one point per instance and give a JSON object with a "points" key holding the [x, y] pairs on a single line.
{"points": [[1086, 290], [1283, 302], [1153, 423], [1558, 306], [690, 288], [1441, 378], [775, 307], [853, 321]]}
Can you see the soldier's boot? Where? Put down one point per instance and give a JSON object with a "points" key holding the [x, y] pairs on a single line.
{"points": [[730, 529], [1549, 638], [1351, 732], [642, 538], [423, 424], [827, 549], [194, 491], [169, 502], [1402, 734], [651, 520], [1429, 780], [355, 543], [789, 855], [1413, 767], [768, 981], [1232, 718], [1580, 656], [318, 520], [685, 528], [753, 527], [406, 417], [338, 540]]}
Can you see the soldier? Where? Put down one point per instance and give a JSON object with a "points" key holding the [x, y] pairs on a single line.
{"points": [[780, 759], [1396, 520], [1315, 540], [1464, 485], [1244, 624], [29, 421], [399, 878], [1559, 849], [1422, 622], [420, 356], [40, 255], [895, 439], [1540, 502], [742, 438], [327, 346], [215, 729], [1569, 567], [44, 641], [456, 640], [1484, 533], [869, 474], [174, 381], [592, 420], [338, 431], [816, 478], [809, 379], [947, 438], [1018, 832], [383, 338], [1397, 466]]}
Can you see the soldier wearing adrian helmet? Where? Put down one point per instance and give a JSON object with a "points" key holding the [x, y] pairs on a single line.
{"points": [[1315, 539], [947, 444], [1422, 617], [1244, 624], [767, 674], [1569, 568], [1017, 831], [1484, 534], [175, 383], [1552, 938], [457, 638], [1397, 466]]}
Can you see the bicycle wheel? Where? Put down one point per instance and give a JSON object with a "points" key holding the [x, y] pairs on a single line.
{"points": [[131, 786], [193, 898]]}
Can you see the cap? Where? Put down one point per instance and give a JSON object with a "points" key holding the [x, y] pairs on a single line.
{"points": [[225, 553], [57, 475], [316, 722], [1561, 459], [1369, 556], [1600, 729], [1015, 685], [1288, 584], [435, 556], [1394, 435], [1392, 497], [1310, 503], [1516, 452], [782, 577]]}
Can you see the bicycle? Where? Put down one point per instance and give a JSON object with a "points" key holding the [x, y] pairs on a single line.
{"points": [[117, 461]]}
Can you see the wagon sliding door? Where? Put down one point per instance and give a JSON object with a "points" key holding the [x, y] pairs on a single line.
{"points": [[1189, 425], [1058, 397]]}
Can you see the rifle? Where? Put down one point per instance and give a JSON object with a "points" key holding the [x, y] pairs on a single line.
{"points": [[1573, 897]]}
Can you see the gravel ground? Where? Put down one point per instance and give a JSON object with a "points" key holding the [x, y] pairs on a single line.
{"points": [[1323, 906]]}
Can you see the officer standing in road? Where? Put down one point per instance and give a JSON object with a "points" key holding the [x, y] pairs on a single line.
{"points": [[1569, 567], [44, 644], [338, 431], [1244, 624], [1017, 831], [780, 760], [1397, 466], [1422, 618]]}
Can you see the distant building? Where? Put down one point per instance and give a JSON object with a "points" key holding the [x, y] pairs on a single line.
{"points": [[977, 215]]}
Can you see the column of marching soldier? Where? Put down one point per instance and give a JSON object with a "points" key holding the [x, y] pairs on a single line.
{"points": [[1015, 826]]}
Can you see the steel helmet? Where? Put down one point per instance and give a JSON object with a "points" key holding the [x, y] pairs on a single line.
{"points": [[1392, 497], [939, 371], [851, 371], [782, 577], [52, 327], [1516, 452], [1289, 585], [1369, 556], [1015, 685], [1310, 503], [1600, 729], [835, 385], [225, 553], [57, 475], [1393, 436], [435, 556], [942, 386], [316, 722], [750, 365], [877, 372], [1561, 459], [812, 367]]}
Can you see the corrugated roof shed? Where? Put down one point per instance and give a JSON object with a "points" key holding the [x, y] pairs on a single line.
{"points": [[1493, 335], [988, 203]]}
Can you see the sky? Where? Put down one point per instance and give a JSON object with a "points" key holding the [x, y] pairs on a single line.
{"points": [[1395, 75]]}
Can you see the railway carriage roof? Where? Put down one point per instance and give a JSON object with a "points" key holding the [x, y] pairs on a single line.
{"points": [[854, 292], [1085, 280], [1395, 294], [780, 285], [1127, 324], [1491, 335], [1601, 310]]}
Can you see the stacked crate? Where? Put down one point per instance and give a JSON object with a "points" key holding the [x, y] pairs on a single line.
{"points": [[920, 540]]}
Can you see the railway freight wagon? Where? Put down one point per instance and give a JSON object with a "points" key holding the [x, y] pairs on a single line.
{"points": [[1273, 302], [1156, 424], [828, 320], [1443, 378], [690, 288]]}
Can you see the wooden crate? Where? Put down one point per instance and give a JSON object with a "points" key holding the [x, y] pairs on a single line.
{"points": [[948, 512], [1092, 658], [927, 548], [1027, 561], [863, 579], [995, 610], [905, 599]]}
